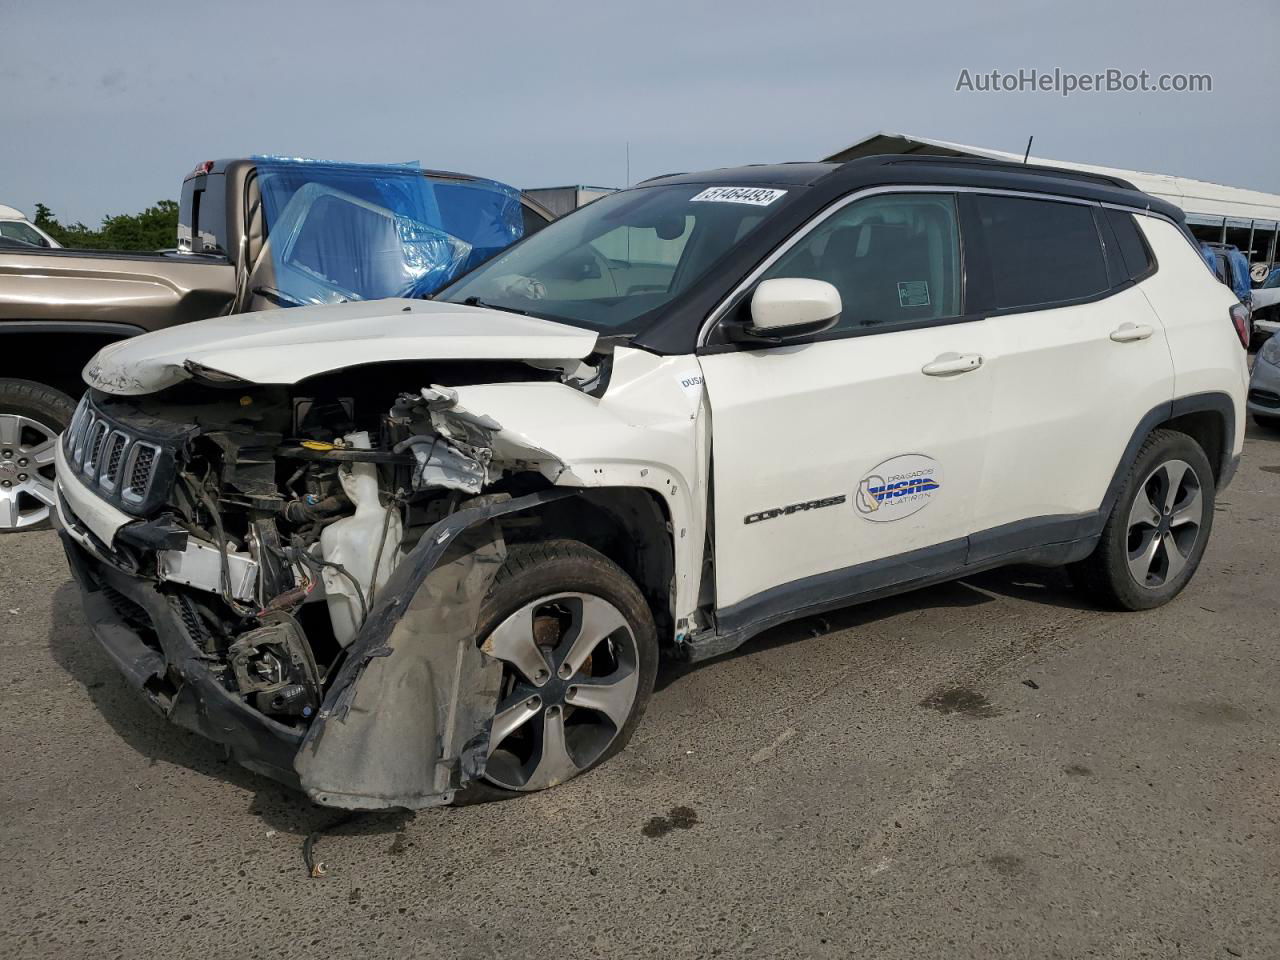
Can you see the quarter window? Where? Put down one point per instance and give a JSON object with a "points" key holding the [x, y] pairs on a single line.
{"points": [[1137, 259], [895, 259], [1041, 251]]}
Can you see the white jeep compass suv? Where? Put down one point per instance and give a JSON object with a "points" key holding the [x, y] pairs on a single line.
{"points": [[399, 552]]}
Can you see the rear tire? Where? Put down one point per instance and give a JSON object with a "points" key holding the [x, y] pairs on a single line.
{"points": [[1158, 529], [566, 704], [31, 417]]}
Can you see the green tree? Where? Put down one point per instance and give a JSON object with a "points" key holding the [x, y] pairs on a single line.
{"points": [[155, 228]]}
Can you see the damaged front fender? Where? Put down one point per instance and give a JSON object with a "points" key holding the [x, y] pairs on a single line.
{"points": [[406, 721]]}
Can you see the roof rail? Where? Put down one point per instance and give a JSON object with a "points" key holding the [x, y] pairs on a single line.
{"points": [[1010, 165], [661, 176]]}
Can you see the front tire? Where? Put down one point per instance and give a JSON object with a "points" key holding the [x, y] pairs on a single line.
{"points": [[1158, 529], [580, 655], [31, 417]]}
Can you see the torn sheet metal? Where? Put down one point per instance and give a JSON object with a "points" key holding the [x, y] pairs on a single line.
{"points": [[406, 721], [455, 449]]}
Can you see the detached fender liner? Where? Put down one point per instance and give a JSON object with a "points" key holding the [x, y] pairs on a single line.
{"points": [[406, 721]]}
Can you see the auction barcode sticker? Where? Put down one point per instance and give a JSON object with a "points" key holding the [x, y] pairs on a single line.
{"points": [[760, 196]]}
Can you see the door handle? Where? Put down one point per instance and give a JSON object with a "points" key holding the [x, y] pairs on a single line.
{"points": [[951, 363], [1128, 332]]}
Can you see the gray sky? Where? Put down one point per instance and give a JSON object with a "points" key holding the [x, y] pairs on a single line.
{"points": [[105, 106]]}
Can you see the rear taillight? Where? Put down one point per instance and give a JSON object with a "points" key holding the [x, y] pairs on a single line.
{"points": [[1240, 320]]}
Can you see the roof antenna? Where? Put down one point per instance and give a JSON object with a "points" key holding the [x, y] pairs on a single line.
{"points": [[1028, 153]]}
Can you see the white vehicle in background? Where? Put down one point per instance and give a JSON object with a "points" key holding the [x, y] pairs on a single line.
{"points": [[17, 230], [1266, 304], [403, 550]]}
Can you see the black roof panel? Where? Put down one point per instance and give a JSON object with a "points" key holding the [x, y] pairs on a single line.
{"points": [[762, 173]]}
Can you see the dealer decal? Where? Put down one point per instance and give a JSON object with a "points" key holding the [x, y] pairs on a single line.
{"points": [[913, 293], [898, 487], [757, 196]]}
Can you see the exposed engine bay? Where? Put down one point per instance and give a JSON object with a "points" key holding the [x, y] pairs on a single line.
{"points": [[305, 568], [273, 516]]}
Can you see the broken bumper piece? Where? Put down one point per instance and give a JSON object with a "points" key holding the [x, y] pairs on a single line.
{"points": [[148, 635]]}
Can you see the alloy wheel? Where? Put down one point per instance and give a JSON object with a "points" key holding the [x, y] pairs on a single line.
{"points": [[570, 681], [26, 471], [1165, 522]]}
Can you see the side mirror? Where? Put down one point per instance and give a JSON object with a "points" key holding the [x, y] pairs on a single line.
{"points": [[791, 307]]}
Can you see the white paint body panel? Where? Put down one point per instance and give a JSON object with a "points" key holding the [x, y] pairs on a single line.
{"points": [[1065, 403], [802, 423], [285, 346], [649, 430], [1193, 307]]}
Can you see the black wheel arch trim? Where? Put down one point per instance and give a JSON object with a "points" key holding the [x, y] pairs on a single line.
{"points": [[1210, 402]]}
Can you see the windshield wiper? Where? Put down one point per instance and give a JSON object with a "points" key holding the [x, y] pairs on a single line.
{"points": [[477, 302]]}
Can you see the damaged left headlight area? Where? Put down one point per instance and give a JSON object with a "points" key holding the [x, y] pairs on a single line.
{"points": [[255, 530]]}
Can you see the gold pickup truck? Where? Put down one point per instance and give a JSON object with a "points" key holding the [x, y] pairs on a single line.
{"points": [[253, 234]]}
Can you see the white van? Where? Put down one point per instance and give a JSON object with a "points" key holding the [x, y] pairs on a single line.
{"points": [[17, 230]]}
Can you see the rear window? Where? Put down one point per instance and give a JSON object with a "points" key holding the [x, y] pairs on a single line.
{"points": [[1133, 249], [1042, 251], [202, 221], [352, 247]]}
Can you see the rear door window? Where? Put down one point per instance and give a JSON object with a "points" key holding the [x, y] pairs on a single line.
{"points": [[1041, 252]]}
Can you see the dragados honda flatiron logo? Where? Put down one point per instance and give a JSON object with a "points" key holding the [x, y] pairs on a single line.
{"points": [[898, 487]]}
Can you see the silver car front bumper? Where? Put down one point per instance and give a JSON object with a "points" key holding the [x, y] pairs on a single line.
{"points": [[1264, 389]]}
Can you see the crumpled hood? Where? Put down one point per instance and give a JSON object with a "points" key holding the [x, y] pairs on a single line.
{"points": [[285, 346]]}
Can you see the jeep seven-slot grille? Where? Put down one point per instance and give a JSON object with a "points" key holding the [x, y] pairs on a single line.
{"points": [[110, 457], [143, 464]]}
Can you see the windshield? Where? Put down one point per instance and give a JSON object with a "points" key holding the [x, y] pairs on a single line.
{"points": [[623, 256], [22, 232]]}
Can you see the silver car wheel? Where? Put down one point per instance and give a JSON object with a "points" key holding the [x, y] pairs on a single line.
{"points": [[1165, 523], [570, 680], [26, 471]]}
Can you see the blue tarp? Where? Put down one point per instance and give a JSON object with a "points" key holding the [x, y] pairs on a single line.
{"points": [[357, 231], [1237, 267]]}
